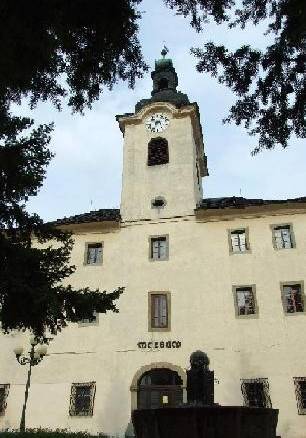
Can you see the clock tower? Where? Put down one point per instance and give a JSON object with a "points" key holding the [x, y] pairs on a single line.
{"points": [[163, 154]]}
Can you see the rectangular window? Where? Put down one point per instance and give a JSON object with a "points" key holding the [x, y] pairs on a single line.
{"points": [[300, 392], [82, 399], [93, 253], [159, 311], [282, 236], [292, 298], [159, 248], [245, 301], [4, 390], [92, 320], [238, 241], [255, 393]]}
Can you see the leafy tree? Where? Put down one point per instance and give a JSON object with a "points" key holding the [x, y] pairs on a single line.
{"points": [[51, 50], [271, 83], [32, 295]]}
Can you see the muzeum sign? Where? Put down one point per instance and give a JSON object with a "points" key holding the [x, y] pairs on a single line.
{"points": [[158, 344]]}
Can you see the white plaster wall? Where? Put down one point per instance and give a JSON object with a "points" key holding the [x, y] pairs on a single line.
{"points": [[175, 181], [199, 274]]}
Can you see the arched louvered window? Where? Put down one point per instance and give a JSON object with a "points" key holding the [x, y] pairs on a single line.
{"points": [[158, 152], [163, 84]]}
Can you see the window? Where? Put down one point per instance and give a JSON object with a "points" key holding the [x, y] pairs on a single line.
{"points": [[255, 393], [94, 319], [198, 174], [158, 202], [93, 253], [82, 399], [4, 390], [282, 236], [245, 300], [158, 151], [159, 247], [159, 311], [238, 240], [162, 84], [293, 300], [300, 392]]}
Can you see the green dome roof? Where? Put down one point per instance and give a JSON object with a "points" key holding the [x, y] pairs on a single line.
{"points": [[163, 63]]}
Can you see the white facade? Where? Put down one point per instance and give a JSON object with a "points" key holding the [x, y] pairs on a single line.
{"points": [[199, 275]]}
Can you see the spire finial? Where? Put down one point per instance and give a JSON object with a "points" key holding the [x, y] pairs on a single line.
{"points": [[164, 51]]}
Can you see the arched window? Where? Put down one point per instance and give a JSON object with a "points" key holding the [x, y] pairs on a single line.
{"points": [[163, 84], [158, 151]]}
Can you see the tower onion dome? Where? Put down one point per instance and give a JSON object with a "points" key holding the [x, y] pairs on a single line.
{"points": [[165, 82]]}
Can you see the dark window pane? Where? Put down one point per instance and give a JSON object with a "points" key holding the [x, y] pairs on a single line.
{"points": [[158, 151], [2, 399], [94, 253], [82, 399], [302, 385], [255, 394]]}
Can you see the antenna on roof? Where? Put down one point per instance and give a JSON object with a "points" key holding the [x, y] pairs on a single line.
{"points": [[240, 192]]}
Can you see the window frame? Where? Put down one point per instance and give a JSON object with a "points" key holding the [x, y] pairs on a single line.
{"points": [[86, 323], [292, 283], [266, 391], [256, 309], [3, 406], [87, 244], [274, 227], [300, 408], [72, 410], [157, 236], [152, 328], [231, 231]]}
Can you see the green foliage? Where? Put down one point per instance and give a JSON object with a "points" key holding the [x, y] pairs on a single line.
{"points": [[271, 83], [44, 433], [31, 292], [62, 48], [51, 50]]}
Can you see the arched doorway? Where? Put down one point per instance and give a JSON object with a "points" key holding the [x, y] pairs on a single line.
{"points": [[159, 387]]}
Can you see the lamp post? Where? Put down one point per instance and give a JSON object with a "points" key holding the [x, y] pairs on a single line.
{"points": [[33, 358]]}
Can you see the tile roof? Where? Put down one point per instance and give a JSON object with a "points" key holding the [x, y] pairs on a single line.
{"points": [[104, 214], [113, 214], [240, 202]]}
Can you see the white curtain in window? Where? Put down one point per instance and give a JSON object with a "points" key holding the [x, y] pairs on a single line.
{"points": [[238, 241]]}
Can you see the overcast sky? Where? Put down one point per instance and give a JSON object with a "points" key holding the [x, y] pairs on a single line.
{"points": [[86, 171]]}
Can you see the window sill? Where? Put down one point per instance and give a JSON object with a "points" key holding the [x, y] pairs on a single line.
{"points": [[159, 329], [249, 316], [92, 264], [159, 260]]}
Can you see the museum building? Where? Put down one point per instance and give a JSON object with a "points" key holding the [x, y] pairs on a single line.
{"points": [[221, 275]]}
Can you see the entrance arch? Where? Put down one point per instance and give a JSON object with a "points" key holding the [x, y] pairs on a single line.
{"points": [[158, 384]]}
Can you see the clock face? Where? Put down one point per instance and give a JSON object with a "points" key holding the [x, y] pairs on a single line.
{"points": [[157, 122]]}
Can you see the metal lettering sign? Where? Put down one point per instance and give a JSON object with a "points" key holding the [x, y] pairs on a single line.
{"points": [[159, 344]]}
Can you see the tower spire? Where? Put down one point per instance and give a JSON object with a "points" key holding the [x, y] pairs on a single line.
{"points": [[164, 51], [165, 82]]}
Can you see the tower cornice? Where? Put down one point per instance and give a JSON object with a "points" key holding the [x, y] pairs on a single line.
{"points": [[190, 110]]}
